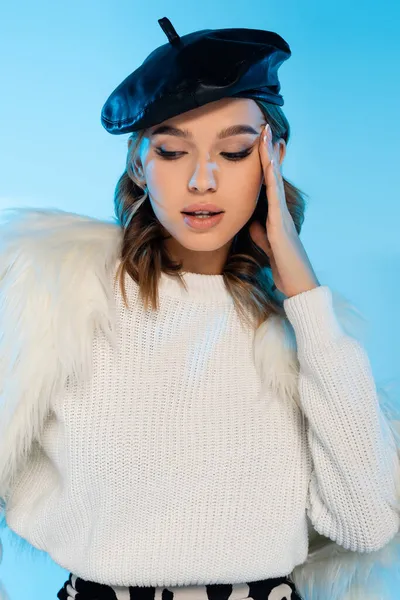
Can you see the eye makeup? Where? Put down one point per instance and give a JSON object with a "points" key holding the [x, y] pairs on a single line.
{"points": [[232, 156]]}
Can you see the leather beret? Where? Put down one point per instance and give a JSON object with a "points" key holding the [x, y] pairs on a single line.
{"points": [[192, 70]]}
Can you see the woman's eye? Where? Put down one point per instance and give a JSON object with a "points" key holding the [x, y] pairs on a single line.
{"points": [[228, 155], [166, 153], [237, 155]]}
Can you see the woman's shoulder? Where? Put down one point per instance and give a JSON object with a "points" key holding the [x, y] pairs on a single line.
{"points": [[33, 228], [41, 246]]}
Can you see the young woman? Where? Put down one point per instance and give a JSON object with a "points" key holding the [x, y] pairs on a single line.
{"points": [[180, 387]]}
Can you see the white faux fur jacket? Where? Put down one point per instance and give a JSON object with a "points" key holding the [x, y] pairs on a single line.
{"points": [[55, 273]]}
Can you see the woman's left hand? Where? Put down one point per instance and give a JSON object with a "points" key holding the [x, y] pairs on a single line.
{"points": [[291, 269]]}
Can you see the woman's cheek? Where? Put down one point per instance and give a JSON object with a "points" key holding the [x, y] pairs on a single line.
{"points": [[156, 177], [248, 181]]}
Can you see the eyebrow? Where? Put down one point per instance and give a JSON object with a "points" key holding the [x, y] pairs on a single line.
{"points": [[185, 133]]}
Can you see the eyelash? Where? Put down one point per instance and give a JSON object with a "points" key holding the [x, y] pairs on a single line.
{"points": [[172, 155]]}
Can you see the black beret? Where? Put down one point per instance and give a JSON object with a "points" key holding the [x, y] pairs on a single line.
{"points": [[195, 69]]}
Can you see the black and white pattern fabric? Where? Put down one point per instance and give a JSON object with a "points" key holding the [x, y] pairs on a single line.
{"points": [[279, 588]]}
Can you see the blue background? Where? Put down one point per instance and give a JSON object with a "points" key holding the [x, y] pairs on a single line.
{"points": [[61, 60]]}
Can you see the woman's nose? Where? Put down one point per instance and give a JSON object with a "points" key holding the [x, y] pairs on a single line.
{"points": [[203, 179]]}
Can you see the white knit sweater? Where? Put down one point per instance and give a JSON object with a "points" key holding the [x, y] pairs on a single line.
{"points": [[172, 466]]}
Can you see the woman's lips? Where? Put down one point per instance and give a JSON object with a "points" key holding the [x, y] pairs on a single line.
{"points": [[202, 223]]}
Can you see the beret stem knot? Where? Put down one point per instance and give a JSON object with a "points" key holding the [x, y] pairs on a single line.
{"points": [[170, 31]]}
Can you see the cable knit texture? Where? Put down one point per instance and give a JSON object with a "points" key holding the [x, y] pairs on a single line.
{"points": [[173, 466]]}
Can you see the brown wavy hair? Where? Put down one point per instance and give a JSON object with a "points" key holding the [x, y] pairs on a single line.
{"points": [[247, 271]]}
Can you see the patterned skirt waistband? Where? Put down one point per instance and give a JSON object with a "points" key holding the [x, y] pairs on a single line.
{"points": [[279, 588]]}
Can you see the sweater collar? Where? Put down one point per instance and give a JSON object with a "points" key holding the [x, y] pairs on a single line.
{"points": [[207, 289], [204, 288]]}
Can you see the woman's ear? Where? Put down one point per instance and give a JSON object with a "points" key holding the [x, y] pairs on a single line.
{"points": [[137, 166], [282, 151]]}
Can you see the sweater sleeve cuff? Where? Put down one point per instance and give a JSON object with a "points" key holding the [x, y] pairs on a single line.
{"points": [[312, 316]]}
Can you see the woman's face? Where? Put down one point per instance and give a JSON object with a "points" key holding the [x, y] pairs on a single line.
{"points": [[202, 171]]}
